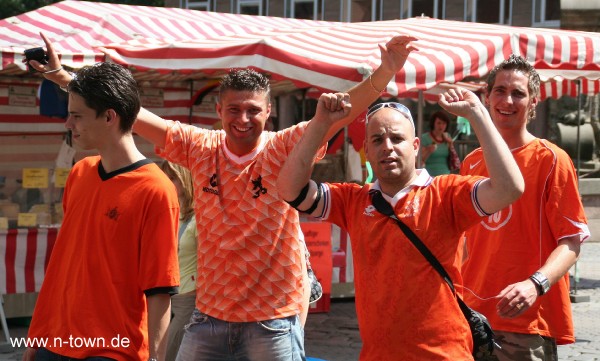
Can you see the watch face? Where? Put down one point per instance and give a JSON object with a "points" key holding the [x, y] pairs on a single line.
{"points": [[541, 281]]}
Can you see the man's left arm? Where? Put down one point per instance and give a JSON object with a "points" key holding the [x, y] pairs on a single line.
{"points": [[526, 292], [159, 315], [393, 56]]}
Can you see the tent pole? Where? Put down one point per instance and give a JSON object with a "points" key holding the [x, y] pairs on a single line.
{"points": [[578, 156], [419, 129], [191, 102], [574, 296]]}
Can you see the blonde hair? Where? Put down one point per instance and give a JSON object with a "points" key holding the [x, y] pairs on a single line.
{"points": [[183, 175]]}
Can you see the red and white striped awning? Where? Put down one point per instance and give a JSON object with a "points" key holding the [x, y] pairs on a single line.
{"points": [[337, 56], [172, 44], [79, 28]]}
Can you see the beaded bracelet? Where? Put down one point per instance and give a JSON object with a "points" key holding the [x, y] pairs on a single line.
{"points": [[373, 86]]}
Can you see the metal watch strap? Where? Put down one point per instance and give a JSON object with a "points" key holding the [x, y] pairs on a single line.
{"points": [[541, 282]]}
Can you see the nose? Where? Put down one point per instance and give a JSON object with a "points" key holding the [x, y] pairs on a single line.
{"points": [[68, 123], [386, 144], [508, 99]]}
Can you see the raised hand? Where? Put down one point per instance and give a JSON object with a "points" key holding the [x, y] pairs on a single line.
{"points": [[459, 101], [332, 107], [395, 52], [52, 71]]}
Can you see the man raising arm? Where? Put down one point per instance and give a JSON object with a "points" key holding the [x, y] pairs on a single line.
{"points": [[403, 306]]}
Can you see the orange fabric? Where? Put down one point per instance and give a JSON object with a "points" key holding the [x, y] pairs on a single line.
{"points": [[512, 244], [251, 255], [405, 310], [118, 238]]}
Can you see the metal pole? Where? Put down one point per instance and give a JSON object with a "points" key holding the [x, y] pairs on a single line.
{"points": [[419, 129], [3, 320], [578, 160]]}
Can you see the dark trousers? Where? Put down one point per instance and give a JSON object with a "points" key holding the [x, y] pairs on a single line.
{"points": [[43, 354]]}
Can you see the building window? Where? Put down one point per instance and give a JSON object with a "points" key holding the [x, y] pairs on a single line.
{"points": [[546, 13], [492, 11], [430, 8], [198, 5], [250, 7], [304, 9]]}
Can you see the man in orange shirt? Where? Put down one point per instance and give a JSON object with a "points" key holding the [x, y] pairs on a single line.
{"points": [[516, 268], [252, 274], [405, 310], [106, 292]]}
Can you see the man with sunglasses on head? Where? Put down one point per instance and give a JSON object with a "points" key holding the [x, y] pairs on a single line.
{"points": [[252, 277], [518, 259], [405, 310]]}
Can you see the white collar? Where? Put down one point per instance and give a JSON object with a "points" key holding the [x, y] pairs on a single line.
{"points": [[423, 178], [246, 157]]}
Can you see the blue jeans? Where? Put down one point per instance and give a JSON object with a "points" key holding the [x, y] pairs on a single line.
{"points": [[207, 338], [43, 354]]}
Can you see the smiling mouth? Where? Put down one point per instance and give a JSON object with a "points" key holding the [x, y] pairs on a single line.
{"points": [[504, 112], [242, 129]]}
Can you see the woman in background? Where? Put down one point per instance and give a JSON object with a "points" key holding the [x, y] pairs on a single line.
{"points": [[435, 145], [183, 304]]}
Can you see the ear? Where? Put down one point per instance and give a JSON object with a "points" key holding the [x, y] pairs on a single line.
{"points": [[416, 145], [218, 109], [268, 109], [111, 116], [534, 102]]}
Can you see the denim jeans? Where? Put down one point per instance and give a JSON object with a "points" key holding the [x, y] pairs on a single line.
{"points": [[43, 354], [207, 338]]}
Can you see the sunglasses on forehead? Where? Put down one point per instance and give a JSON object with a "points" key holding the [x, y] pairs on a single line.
{"points": [[400, 108]]}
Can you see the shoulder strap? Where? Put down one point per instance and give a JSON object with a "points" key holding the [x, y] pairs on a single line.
{"points": [[385, 208]]}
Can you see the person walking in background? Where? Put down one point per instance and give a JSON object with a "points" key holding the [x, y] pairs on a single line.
{"points": [[183, 304], [252, 275], [518, 258], [114, 264], [405, 310], [436, 144]]}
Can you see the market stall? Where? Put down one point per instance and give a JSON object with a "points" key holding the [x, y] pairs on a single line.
{"points": [[177, 54]]}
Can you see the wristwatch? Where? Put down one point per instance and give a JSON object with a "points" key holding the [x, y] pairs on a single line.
{"points": [[541, 282]]}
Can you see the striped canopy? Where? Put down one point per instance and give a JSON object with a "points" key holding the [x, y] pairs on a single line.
{"points": [[176, 44]]}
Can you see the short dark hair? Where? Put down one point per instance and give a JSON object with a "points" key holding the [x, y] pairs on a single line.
{"points": [[106, 86], [441, 116], [517, 62], [245, 80]]}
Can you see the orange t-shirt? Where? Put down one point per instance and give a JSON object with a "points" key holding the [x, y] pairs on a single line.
{"points": [[405, 310], [118, 239], [251, 255], [510, 245]]}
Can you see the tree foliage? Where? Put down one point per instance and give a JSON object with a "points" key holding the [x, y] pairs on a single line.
{"points": [[10, 8]]}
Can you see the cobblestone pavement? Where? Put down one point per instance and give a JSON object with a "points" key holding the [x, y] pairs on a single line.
{"points": [[334, 336]]}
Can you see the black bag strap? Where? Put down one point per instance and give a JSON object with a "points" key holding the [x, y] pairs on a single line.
{"points": [[386, 209]]}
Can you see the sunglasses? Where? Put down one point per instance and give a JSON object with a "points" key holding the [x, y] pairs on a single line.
{"points": [[400, 108]]}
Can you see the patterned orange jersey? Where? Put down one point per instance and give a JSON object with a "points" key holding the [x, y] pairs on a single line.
{"points": [[405, 310], [512, 244], [251, 253]]}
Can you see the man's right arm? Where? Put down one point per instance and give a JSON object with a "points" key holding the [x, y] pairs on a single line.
{"points": [[151, 127], [295, 173], [505, 183]]}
